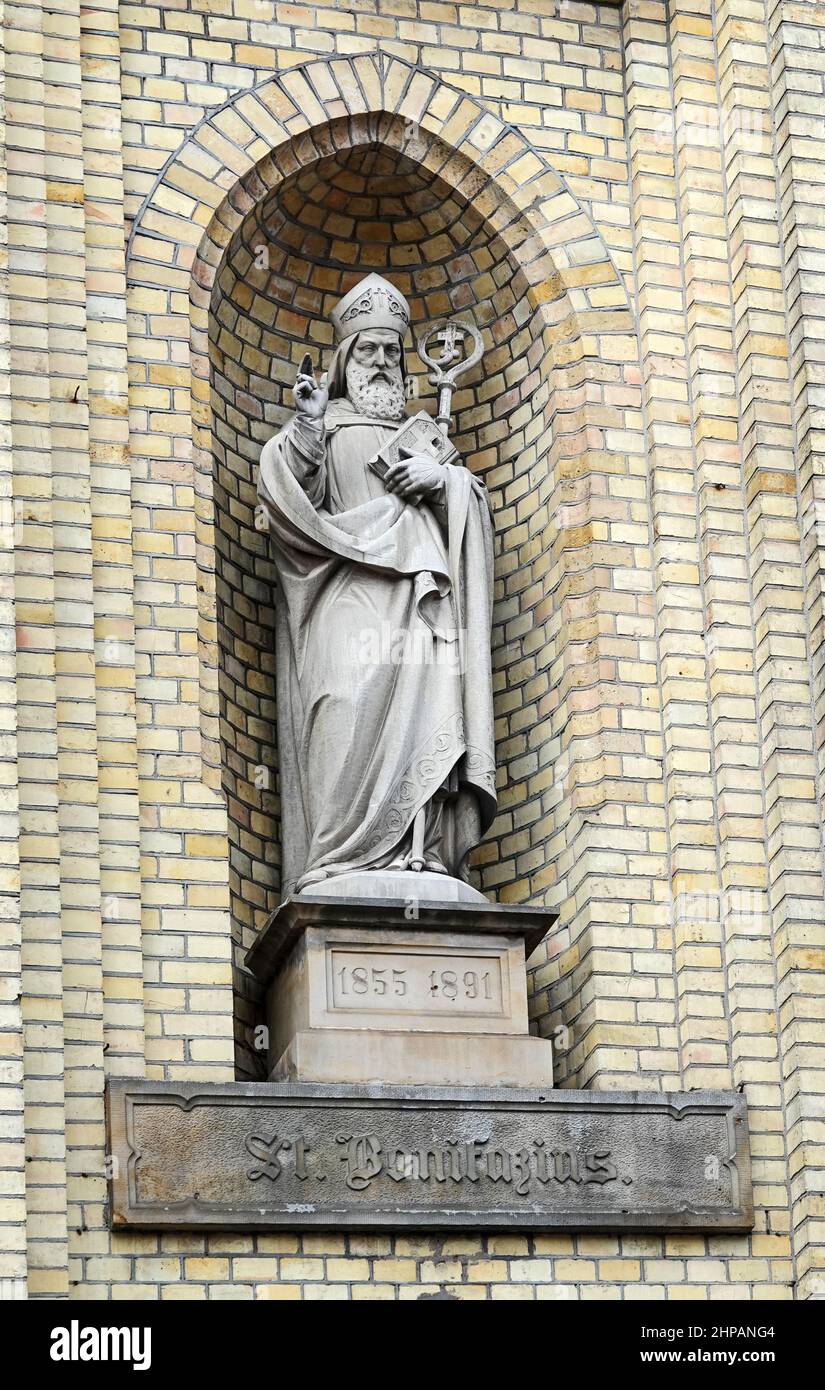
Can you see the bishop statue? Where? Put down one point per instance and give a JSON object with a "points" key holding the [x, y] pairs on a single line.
{"points": [[385, 719]]}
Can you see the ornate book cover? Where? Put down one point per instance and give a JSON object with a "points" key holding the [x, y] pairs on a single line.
{"points": [[418, 435]]}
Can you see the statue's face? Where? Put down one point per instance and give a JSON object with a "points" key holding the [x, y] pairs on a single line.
{"points": [[378, 348], [375, 384]]}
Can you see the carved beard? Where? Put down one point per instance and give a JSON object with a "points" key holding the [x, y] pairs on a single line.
{"points": [[383, 399]]}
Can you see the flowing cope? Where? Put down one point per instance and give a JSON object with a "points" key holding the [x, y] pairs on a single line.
{"points": [[370, 726]]}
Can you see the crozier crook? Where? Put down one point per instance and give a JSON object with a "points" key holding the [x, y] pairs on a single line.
{"points": [[449, 332]]}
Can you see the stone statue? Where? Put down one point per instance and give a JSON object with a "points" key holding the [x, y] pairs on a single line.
{"points": [[383, 651]]}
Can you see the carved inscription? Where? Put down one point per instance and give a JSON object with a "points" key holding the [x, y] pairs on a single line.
{"points": [[415, 981], [365, 1159], [524, 1169], [292, 1155], [270, 1153]]}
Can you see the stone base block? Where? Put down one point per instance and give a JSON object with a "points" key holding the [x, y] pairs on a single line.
{"points": [[370, 1057], [388, 993], [386, 885]]}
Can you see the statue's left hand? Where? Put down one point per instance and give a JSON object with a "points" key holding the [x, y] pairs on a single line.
{"points": [[414, 477]]}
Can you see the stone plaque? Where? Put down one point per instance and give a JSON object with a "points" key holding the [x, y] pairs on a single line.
{"points": [[414, 979], [414, 982], [299, 1156]]}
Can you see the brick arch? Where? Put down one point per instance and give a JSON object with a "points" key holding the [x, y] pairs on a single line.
{"points": [[241, 151], [495, 166], [234, 159]]}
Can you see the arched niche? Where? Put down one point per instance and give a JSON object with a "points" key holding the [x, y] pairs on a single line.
{"points": [[543, 419], [371, 204]]}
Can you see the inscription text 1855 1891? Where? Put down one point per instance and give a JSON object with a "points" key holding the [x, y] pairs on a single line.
{"points": [[445, 982]]}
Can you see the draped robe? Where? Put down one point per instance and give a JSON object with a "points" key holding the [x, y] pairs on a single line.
{"points": [[383, 651]]}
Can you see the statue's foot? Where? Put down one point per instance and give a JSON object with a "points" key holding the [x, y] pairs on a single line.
{"points": [[428, 860], [399, 864], [435, 866], [404, 863]]}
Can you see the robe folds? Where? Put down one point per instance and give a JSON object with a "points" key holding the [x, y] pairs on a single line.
{"points": [[383, 651]]}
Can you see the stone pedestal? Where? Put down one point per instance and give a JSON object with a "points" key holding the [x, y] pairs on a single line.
{"points": [[401, 993]]}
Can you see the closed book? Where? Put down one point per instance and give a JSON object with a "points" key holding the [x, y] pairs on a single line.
{"points": [[418, 435]]}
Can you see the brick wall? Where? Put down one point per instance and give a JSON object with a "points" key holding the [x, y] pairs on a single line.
{"points": [[625, 200]]}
